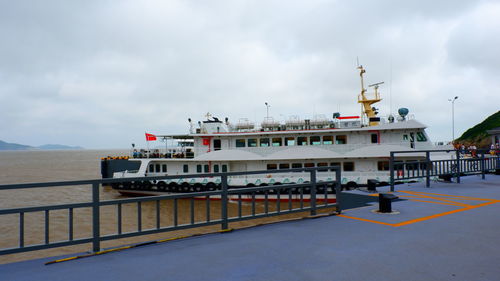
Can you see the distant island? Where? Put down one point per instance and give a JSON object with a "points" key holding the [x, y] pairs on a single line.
{"points": [[15, 146]]}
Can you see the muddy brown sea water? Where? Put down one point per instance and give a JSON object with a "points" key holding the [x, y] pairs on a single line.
{"points": [[49, 166]]}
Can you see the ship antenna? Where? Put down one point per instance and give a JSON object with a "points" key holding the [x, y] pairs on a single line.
{"points": [[390, 90]]}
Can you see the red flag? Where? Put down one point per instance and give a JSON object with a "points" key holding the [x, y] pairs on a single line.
{"points": [[150, 137]]}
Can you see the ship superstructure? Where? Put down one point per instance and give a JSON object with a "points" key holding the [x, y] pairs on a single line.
{"points": [[360, 145]]}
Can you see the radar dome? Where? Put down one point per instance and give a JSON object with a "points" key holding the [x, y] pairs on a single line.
{"points": [[403, 111]]}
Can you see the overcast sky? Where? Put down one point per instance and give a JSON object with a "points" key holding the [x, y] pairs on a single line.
{"points": [[99, 74]]}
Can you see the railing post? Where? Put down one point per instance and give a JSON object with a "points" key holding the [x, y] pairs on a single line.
{"points": [[313, 192], [96, 239], [338, 189], [458, 165], [427, 169], [391, 171], [224, 202], [483, 174]]}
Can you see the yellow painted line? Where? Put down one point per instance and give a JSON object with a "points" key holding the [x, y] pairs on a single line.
{"points": [[434, 202], [446, 195], [441, 214], [438, 201], [443, 200], [367, 220]]}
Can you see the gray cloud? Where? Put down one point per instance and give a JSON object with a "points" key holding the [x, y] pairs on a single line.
{"points": [[99, 74]]}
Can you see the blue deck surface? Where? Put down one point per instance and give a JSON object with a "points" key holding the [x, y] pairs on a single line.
{"points": [[443, 238]]}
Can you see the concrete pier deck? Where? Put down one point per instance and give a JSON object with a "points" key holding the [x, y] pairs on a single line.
{"points": [[449, 231]]}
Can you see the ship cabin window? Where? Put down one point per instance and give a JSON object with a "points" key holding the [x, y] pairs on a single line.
{"points": [[157, 168], [264, 142], [398, 165], [348, 166], [289, 141], [284, 166], [240, 143], [411, 165], [315, 140], [252, 142], [322, 165], [272, 166], [151, 168], [224, 168], [421, 136], [327, 139], [342, 139], [164, 168], [383, 165], [198, 168], [216, 168], [405, 137], [374, 138], [277, 141], [185, 168], [308, 165], [335, 164], [206, 168], [296, 165], [301, 140], [217, 144]]}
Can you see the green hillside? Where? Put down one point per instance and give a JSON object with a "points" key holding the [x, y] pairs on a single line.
{"points": [[478, 134]]}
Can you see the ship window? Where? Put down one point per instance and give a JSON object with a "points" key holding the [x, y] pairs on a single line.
{"points": [[198, 168], [151, 168], [327, 139], [348, 166], [302, 141], [315, 140], [335, 164], [308, 165], [421, 136], [383, 165], [264, 142], [405, 137], [217, 144], [284, 166], [185, 168], [277, 141], [289, 141], [322, 165], [224, 168], [411, 165], [296, 165], [164, 168], [216, 168], [398, 165], [342, 139], [240, 143], [252, 142], [374, 138], [205, 169], [157, 168], [272, 166]]}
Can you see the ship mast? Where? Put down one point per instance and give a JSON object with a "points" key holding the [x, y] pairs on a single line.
{"points": [[369, 111]]}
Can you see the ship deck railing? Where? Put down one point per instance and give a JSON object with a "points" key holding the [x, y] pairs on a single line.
{"points": [[222, 200]]}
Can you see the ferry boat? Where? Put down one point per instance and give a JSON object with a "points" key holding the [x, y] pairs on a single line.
{"points": [[359, 145]]}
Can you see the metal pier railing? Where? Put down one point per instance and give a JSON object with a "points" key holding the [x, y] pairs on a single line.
{"points": [[460, 163], [290, 199]]}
